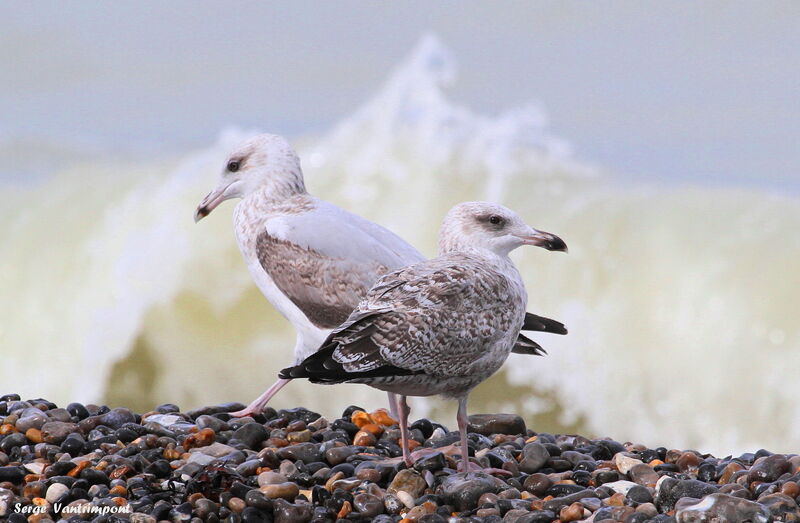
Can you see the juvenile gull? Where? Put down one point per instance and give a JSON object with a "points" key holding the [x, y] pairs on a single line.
{"points": [[312, 260], [440, 326]]}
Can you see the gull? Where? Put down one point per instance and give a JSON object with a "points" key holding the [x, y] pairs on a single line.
{"points": [[440, 326], [312, 260]]}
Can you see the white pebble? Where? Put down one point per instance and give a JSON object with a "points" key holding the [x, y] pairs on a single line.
{"points": [[55, 491], [406, 498]]}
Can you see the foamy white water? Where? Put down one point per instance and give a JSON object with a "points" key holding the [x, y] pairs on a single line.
{"points": [[681, 302]]}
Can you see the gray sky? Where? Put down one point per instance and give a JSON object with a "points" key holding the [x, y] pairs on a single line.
{"points": [[687, 90]]}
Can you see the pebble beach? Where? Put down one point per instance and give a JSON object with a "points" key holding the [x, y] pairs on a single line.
{"points": [[95, 463]]}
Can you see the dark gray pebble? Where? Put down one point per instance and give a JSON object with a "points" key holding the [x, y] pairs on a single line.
{"points": [[251, 434], [534, 456], [463, 490], [488, 424]]}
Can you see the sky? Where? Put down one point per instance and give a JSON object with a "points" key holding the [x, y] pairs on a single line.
{"points": [[706, 91]]}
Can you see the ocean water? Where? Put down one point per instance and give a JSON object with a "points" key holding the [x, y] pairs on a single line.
{"points": [[681, 299]]}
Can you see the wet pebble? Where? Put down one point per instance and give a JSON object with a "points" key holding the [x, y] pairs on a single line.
{"points": [[489, 424], [463, 490], [407, 480], [534, 456], [721, 507]]}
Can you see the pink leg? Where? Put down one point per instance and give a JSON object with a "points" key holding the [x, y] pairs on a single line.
{"points": [[403, 410], [258, 404], [461, 417], [392, 404]]}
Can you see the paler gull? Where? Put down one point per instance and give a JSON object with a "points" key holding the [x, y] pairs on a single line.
{"points": [[440, 326], [312, 260]]}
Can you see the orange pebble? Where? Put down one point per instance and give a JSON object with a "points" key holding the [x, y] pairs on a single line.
{"points": [[170, 454], [381, 417], [373, 428], [39, 501], [120, 472], [77, 470], [573, 512], [617, 500], [118, 490], [656, 462], [791, 489], [34, 435], [360, 418], [346, 509], [412, 444], [203, 438], [7, 429]]}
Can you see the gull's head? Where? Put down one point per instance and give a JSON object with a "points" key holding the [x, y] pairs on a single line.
{"points": [[265, 163], [491, 227]]}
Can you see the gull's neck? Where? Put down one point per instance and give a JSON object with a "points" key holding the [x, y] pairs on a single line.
{"points": [[276, 195], [499, 258], [262, 203]]}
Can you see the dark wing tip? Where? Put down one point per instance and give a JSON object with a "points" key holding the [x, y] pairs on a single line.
{"points": [[541, 324], [525, 345]]}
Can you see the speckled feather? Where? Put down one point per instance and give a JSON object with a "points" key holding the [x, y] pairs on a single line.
{"points": [[325, 289], [437, 327]]}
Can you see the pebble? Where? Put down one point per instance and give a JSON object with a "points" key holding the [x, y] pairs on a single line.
{"points": [[573, 512], [490, 424], [55, 492], [116, 418], [625, 462], [463, 490], [305, 452], [643, 474], [367, 505], [286, 490], [216, 450], [768, 468], [721, 507], [251, 434], [534, 456], [537, 484], [670, 490], [407, 480], [271, 478], [55, 432]]}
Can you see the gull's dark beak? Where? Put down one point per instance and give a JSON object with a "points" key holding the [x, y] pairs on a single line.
{"points": [[551, 242]]}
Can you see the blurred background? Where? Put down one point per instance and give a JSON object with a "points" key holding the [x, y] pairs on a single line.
{"points": [[660, 140]]}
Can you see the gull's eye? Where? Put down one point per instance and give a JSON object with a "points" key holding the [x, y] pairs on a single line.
{"points": [[496, 220], [233, 166]]}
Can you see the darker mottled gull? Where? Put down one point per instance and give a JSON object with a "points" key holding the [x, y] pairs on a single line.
{"points": [[440, 326]]}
